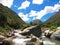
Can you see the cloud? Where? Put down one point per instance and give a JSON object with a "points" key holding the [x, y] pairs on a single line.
{"points": [[24, 5], [37, 1], [56, 7], [40, 14], [7, 3], [23, 17], [32, 13], [46, 10]]}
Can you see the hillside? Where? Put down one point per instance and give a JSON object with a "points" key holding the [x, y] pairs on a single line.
{"points": [[9, 18], [54, 19]]}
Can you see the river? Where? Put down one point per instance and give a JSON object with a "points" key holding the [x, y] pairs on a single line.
{"points": [[54, 42]]}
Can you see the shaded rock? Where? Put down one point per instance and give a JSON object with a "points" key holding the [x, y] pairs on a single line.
{"points": [[1, 39], [35, 30], [33, 40], [7, 41]]}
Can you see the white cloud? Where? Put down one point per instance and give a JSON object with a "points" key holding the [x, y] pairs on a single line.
{"points": [[40, 14], [24, 5], [32, 13], [37, 1], [7, 3], [23, 17], [46, 10], [56, 7]]}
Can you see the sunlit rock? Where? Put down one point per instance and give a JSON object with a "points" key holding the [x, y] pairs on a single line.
{"points": [[48, 33], [56, 35]]}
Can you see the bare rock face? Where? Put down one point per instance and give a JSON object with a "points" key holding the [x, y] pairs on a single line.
{"points": [[35, 30]]}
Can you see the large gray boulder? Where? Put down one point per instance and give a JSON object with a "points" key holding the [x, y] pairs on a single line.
{"points": [[35, 30], [56, 35]]}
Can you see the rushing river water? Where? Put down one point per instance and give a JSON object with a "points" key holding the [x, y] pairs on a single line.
{"points": [[54, 42]]}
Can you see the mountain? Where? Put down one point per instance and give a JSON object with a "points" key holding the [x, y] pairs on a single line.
{"points": [[9, 18], [54, 19], [36, 22]]}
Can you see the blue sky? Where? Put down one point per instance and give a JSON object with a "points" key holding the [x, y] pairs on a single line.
{"points": [[30, 10]]}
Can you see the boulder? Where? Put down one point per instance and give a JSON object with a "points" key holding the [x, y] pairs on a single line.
{"points": [[48, 33], [56, 35], [2, 37], [7, 41], [35, 30]]}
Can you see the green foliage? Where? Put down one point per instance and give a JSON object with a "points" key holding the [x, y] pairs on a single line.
{"points": [[7, 28], [53, 27], [1, 29], [54, 20], [9, 18]]}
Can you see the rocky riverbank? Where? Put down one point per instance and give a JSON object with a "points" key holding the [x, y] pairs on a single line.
{"points": [[18, 37], [29, 36]]}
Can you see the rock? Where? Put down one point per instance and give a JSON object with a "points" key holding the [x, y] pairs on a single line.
{"points": [[48, 33], [35, 30], [1, 33], [2, 37], [33, 40], [56, 35], [7, 41], [19, 35], [58, 28]]}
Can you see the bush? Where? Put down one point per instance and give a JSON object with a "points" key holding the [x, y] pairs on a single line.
{"points": [[1, 29], [7, 28], [53, 27]]}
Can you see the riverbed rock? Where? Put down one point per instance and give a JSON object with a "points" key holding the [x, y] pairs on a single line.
{"points": [[48, 33], [35, 30], [56, 35], [2, 37], [8, 41]]}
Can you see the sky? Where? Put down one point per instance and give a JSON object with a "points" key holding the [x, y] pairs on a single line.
{"points": [[30, 10]]}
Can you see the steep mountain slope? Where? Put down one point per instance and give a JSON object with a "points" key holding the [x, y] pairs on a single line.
{"points": [[9, 18], [54, 19]]}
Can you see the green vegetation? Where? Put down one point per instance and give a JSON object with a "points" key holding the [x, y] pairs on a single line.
{"points": [[53, 22], [9, 19]]}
